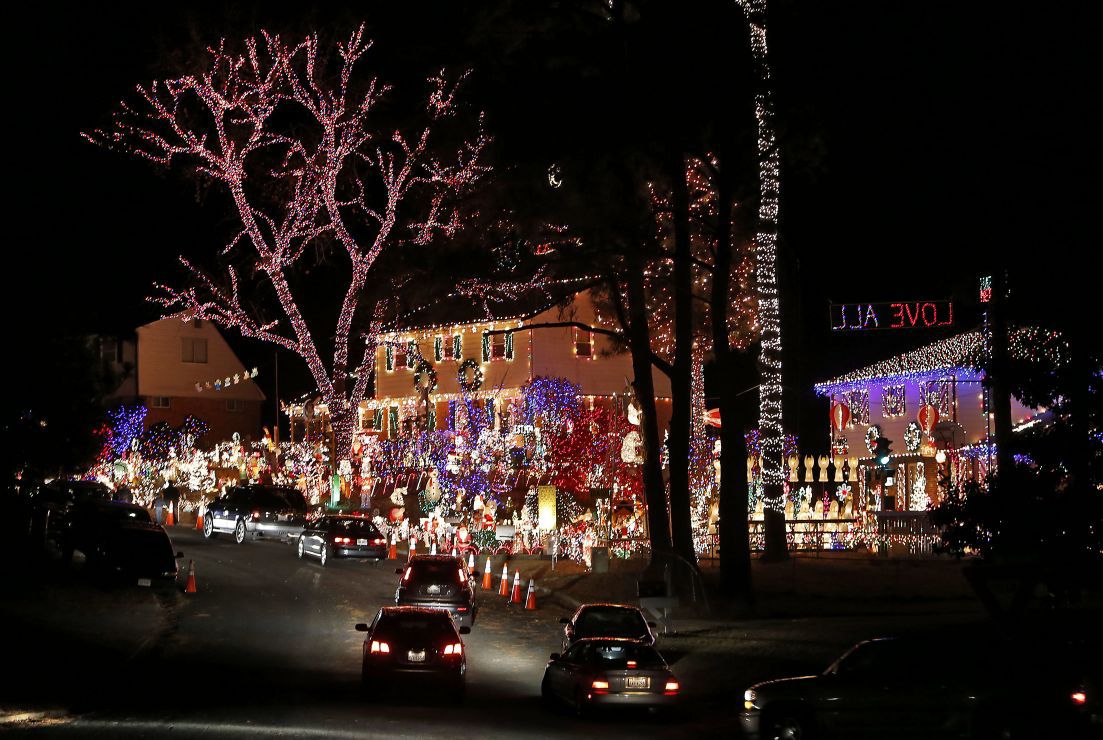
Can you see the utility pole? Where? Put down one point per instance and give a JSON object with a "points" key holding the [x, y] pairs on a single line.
{"points": [[999, 365]]}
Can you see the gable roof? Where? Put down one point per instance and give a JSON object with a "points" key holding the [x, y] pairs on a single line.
{"points": [[960, 352]]}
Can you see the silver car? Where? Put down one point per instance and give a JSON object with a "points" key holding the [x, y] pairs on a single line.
{"points": [[251, 512], [609, 671]]}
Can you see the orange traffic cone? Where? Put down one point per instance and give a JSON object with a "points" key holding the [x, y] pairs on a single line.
{"points": [[515, 597], [503, 588], [530, 597], [190, 587], [169, 521], [487, 578], [413, 548], [392, 552], [199, 517], [471, 562]]}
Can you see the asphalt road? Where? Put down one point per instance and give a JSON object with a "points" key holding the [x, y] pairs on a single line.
{"points": [[267, 648]]}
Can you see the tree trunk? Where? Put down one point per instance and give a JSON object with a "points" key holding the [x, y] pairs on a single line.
{"points": [[681, 380], [639, 343], [735, 546]]}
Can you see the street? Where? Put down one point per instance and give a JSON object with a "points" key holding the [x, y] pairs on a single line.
{"points": [[267, 647]]}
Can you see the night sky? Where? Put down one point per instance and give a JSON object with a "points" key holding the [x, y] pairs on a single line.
{"points": [[939, 139]]}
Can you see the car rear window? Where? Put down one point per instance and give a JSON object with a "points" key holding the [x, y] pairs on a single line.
{"points": [[613, 622], [619, 655], [121, 514], [435, 571], [420, 623], [362, 527]]}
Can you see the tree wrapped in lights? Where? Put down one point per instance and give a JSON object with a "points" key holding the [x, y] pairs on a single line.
{"points": [[289, 132]]}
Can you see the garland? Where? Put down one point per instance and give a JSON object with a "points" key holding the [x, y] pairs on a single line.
{"points": [[427, 369], [476, 381]]}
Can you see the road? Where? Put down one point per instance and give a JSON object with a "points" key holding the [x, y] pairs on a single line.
{"points": [[267, 648]]}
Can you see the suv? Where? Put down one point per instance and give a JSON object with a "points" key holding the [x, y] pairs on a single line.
{"points": [[438, 582], [256, 511]]}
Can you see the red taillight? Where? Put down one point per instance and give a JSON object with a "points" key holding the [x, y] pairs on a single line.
{"points": [[1079, 697], [256, 515], [599, 686], [380, 647], [455, 648], [378, 541], [461, 608], [671, 688], [632, 664], [342, 540]]}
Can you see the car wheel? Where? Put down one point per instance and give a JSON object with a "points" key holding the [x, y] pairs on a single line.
{"points": [[786, 724], [239, 531], [300, 549], [208, 527], [323, 556]]}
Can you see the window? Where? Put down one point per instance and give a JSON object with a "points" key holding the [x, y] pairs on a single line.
{"points": [[892, 401], [498, 346], [447, 347], [399, 356], [858, 401], [411, 354], [160, 402], [193, 350], [583, 343], [235, 404]]}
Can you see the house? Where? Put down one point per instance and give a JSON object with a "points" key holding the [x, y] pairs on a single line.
{"points": [[931, 403], [494, 359], [187, 368]]}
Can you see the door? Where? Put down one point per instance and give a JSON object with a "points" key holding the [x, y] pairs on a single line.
{"points": [[317, 536]]}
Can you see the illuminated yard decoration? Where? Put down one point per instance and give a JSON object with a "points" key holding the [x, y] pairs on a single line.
{"points": [[901, 315], [287, 130]]}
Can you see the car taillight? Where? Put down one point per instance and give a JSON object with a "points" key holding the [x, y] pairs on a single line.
{"points": [[342, 540], [380, 647], [256, 515], [632, 664], [599, 686], [461, 608], [462, 575], [455, 648], [671, 688], [1079, 697], [378, 541], [406, 575]]}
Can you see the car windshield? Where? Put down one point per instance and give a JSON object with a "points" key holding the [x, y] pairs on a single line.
{"points": [[623, 655], [419, 624], [613, 622], [123, 514], [434, 571], [294, 497], [361, 527]]}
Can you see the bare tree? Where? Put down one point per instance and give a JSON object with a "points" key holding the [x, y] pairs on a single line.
{"points": [[291, 134]]}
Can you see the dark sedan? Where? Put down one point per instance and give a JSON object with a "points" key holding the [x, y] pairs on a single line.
{"points": [[438, 582], [89, 524], [412, 643], [341, 537], [135, 553], [609, 671], [944, 686], [250, 512], [607, 620]]}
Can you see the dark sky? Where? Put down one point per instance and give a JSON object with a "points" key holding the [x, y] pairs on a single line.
{"points": [[935, 140]]}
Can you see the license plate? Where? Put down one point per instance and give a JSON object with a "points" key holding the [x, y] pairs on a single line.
{"points": [[434, 590], [361, 542], [638, 682], [145, 582], [416, 656]]}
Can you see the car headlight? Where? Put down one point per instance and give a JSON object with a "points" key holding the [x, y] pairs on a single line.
{"points": [[749, 697]]}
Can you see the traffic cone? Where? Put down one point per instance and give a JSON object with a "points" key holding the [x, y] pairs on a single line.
{"points": [[471, 562], [433, 549], [487, 578], [413, 548], [199, 517], [530, 597], [169, 521], [190, 587], [392, 552], [453, 552], [515, 597], [503, 589]]}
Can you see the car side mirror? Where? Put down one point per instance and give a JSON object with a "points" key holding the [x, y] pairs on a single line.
{"points": [[180, 554], [465, 630], [555, 656], [361, 627], [564, 620]]}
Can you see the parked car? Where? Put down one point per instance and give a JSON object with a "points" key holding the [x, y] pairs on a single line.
{"points": [[135, 553], [51, 504], [438, 582], [341, 537], [942, 686], [609, 671], [88, 524], [414, 643], [607, 620], [249, 512]]}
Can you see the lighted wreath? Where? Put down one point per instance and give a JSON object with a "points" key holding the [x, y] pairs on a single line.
{"points": [[425, 369], [872, 435], [476, 381], [913, 436]]}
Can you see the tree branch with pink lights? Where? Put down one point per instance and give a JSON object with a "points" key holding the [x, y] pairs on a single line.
{"points": [[289, 131]]}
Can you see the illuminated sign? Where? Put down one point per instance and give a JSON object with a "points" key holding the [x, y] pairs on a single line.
{"points": [[874, 316], [985, 289]]}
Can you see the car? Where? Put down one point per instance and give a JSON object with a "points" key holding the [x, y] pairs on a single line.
{"points": [[414, 643], [138, 552], [934, 686], [607, 620], [88, 524], [341, 537], [251, 512], [52, 503], [438, 582], [609, 671]]}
